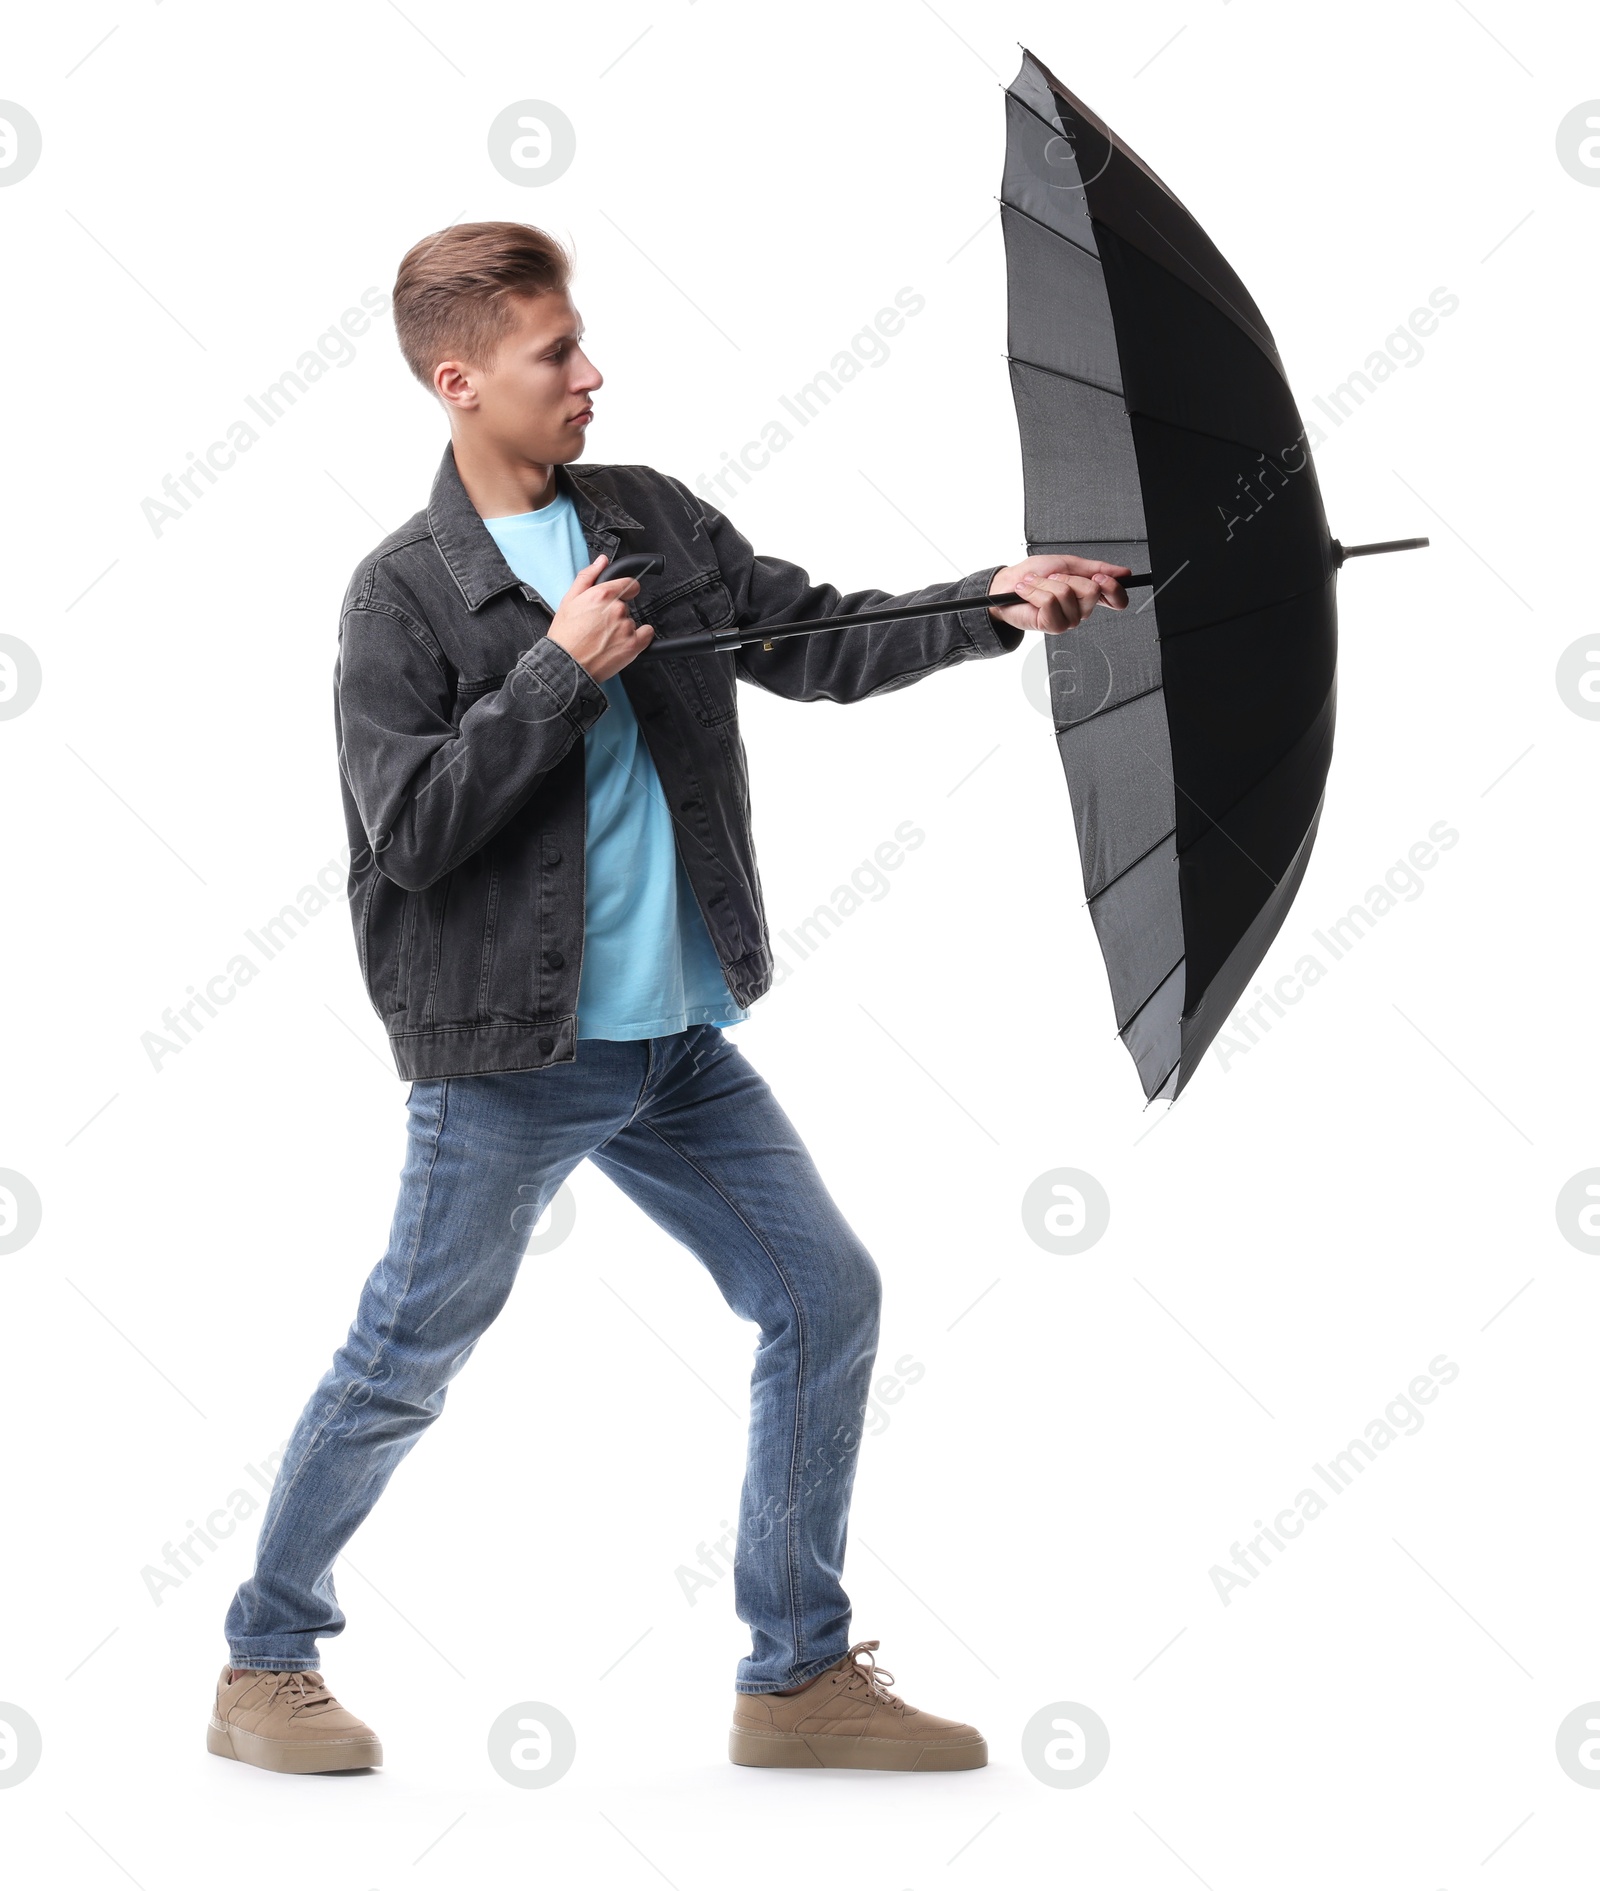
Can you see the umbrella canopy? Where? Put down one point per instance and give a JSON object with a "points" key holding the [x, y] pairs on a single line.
{"points": [[1158, 431]]}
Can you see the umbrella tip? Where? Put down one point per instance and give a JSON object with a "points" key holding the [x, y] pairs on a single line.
{"points": [[1342, 552]]}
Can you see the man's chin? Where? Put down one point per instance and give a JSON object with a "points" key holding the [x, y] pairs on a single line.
{"points": [[568, 445]]}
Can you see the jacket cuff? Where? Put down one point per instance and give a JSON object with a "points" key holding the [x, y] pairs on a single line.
{"points": [[987, 635], [564, 679]]}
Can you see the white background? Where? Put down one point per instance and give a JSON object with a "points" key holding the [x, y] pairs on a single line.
{"points": [[1365, 1188]]}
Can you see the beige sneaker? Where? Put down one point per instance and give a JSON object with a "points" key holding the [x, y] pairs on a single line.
{"points": [[847, 1717], [288, 1723]]}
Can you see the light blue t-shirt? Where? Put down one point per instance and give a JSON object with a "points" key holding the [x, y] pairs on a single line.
{"points": [[649, 967]]}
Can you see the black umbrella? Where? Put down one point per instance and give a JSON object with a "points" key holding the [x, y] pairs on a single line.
{"points": [[1158, 432]]}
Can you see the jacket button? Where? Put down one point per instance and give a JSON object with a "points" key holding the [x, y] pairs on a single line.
{"points": [[547, 1044], [554, 960], [552, 857]]}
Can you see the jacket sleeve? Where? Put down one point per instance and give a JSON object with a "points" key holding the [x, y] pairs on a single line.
{"points": [[844, 666], [431, 791]]}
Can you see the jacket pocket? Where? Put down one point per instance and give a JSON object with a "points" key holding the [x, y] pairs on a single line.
{"points": [[387, 916], [470, 690], [706, 683]]}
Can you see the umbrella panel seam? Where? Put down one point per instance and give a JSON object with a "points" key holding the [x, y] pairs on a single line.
{"points": [[1238, 617], [1216, 821], [1166, 1079], [1123, 232], [1050, 229], [1081, 380], [1239, 320], [1122, 872], [1242, 322], [1205, 433], [1133, 1016], [1110, 709]]}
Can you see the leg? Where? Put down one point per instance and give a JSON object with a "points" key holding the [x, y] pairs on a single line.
{"points": [[484, 1158], [712, 1158]]}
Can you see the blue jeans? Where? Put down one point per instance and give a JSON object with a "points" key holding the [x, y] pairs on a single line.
{"points": [[687, 1128]]}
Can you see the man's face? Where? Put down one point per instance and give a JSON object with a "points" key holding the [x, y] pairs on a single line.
{"points": [[534, 398]]}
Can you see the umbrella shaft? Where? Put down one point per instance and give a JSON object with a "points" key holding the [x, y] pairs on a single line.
{"points": [[717, 641]]}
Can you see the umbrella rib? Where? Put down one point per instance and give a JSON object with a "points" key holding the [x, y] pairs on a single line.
{"points": [[1066, 728], [1236, 617], [1134, 862], [1215, 820], [1061, 93], [1163, 1083], [1040, 224], [1144, 413], [1217, 827], [1132, 1015], [1205, 433], [1245, 324], [1261, 337], [1056, 131], [1061, 374]]}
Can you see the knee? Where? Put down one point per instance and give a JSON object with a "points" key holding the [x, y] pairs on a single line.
{"points": [[853, 1302], [866, 1292], [380, 1398], [832, 1306]]}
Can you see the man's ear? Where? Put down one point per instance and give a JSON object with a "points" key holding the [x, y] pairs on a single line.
{"points": [[453, 385]]}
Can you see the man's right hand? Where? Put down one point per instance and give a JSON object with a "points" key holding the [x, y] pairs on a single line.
{"points": [[593, 623]]}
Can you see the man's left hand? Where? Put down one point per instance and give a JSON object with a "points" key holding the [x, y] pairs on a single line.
{"points": [[1060, 590]]}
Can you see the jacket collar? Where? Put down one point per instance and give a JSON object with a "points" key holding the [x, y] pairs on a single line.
{"points": [[467, 547]]}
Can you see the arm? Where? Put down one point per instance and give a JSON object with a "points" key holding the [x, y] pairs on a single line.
{"points": [[843, 666], [429, 792]]}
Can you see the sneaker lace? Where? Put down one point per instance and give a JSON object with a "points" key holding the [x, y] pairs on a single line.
{"points": [[308, 1691], [868, 1679]]}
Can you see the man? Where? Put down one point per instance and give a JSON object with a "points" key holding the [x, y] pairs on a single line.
{"points": [[557, 908]]}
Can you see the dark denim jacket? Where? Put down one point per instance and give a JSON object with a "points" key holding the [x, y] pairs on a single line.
{"points": [[461, 727]]}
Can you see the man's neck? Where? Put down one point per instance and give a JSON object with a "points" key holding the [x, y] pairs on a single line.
{"points": [[500, 487]]}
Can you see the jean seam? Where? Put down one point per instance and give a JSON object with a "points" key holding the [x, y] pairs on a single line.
{"points": [[411, 1266], [797, 1632], [644, 1087]]}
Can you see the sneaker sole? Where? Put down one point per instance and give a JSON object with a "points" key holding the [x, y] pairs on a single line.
{"points": [[852, 1750], [292, 1756]]}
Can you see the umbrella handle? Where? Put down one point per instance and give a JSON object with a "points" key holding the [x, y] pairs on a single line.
{"points": [[634, 565]]}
